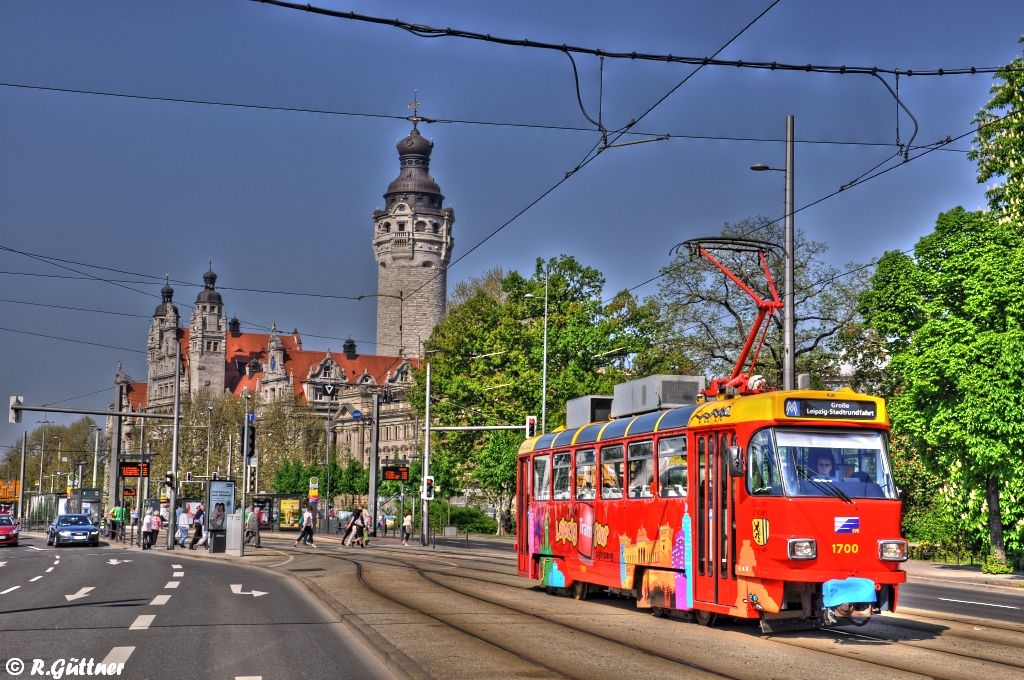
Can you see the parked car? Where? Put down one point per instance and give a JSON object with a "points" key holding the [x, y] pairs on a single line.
{"points": [[73, 529], [8, 530]]}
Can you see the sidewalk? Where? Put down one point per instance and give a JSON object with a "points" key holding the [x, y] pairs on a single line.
{"points": [[924, 569]]}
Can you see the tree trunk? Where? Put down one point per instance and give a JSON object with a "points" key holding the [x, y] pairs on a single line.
{"points": [[995, 519]]}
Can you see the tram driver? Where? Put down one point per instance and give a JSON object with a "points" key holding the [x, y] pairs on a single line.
{"points": [[824, 465]]}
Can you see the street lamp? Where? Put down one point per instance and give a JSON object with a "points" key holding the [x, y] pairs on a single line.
{"points": [[96, 454], [209, 426], [544, 368], [788, 320]]}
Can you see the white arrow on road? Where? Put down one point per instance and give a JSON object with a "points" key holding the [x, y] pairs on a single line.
{"points": [[81, 593], [113, 561], [236, 588]]}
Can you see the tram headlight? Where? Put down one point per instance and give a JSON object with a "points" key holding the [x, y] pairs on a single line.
{"points": [[892, 551], [803, 549]]}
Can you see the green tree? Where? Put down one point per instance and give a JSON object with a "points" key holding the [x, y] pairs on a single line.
{"points": [[487, 365], [952, 319], [999, 143], [710, 317]]}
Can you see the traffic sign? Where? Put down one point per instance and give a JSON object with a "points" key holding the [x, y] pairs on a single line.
{"points": [[314, 483], [250, 417], [357, 414]]}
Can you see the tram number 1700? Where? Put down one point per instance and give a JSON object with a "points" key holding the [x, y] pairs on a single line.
{"points": [[845, 548]]}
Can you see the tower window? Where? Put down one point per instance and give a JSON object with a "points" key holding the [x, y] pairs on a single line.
{"points": [[386, 227], [428, 264], [437, 227], [401, 226], [421, 226]]}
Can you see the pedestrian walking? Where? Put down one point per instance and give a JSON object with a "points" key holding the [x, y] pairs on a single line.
{"points": [[154, 528], [181, 525], [355, 530], [307, 528], [252, 526], [406, 527], [198, 520], [147, 523]]}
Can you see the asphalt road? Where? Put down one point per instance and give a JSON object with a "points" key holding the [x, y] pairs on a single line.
{"points": [[165, 615], [978, 601]]}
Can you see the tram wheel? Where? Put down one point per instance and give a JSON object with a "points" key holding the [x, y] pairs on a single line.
{"points": [[551, 590], [704, 618], [659, 612], [579, 590]]}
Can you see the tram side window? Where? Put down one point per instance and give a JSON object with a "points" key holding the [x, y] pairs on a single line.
{"points": [[611, 472], [561, 470], [763, 476], [641, 469], [672, 467], [541, 478], [585, 489]]}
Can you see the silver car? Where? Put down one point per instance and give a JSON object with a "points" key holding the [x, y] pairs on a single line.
{"points": [[74, 529]]}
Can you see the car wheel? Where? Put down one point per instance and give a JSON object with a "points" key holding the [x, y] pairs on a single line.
{"points": [[49, 541]]}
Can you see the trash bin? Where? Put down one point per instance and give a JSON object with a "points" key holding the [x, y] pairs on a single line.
{"points": [[451, 532], [218, 541]]}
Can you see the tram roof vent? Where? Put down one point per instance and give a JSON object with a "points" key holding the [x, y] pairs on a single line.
{"points": [[655, 392], [589, 409]]}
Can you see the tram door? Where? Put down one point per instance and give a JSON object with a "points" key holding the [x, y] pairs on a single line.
{"points": [[523, 529], [715, 551]]}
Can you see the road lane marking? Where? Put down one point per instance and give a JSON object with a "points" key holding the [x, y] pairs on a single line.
{"points": [[172, 584], [49, 570], [248, 677], [33, 580], [118, 655], [175, 566], [32, 547], [142, 622], [178, 574], [82, 592], [115, 562], [3, 564], [9, 590], [984, 604], [160, 599], [236, 588]]}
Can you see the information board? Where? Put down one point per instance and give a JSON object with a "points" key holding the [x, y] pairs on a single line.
{"points": [[396, 473], [135, 469]]}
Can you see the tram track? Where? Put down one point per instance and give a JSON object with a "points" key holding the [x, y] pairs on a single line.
{"points": [[425, 574], [921, 654]]}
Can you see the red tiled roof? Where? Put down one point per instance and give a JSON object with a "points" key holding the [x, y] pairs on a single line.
{"points": [[136, 395]]}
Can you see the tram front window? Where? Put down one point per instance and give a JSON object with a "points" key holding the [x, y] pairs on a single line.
{"points": [[852, 464]]}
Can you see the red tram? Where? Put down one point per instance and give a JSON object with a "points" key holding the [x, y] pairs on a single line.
{"points": [[778, 506]]}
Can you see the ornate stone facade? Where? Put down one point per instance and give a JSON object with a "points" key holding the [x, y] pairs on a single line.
{"points": [[412, 242]]}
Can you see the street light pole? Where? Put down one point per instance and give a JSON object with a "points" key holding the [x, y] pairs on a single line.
{"points": [[95, 455], [788, 318], [209, 426], [42, 455], [544, 360]]}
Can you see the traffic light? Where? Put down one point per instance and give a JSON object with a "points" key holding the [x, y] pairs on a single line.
{"points": [[169, 479], [188, 476], [250, 443], [531, 426], [250, 482], [428, 489]]}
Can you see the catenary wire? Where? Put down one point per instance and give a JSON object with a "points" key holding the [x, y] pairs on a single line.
{"points": [[425, 31]]}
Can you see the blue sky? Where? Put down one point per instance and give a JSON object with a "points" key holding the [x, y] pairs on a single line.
{"points": [[282, 200]]}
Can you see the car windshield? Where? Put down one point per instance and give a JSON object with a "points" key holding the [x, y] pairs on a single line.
{"points": [[5, 521], [74, 520], [840, 463]]}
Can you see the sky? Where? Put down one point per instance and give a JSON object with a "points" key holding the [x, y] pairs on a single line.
{"points": [[102, 196]]}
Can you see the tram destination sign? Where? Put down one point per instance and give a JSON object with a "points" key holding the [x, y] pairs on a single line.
{"points": [[135, 469], [396, 473], [838, 409]]}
